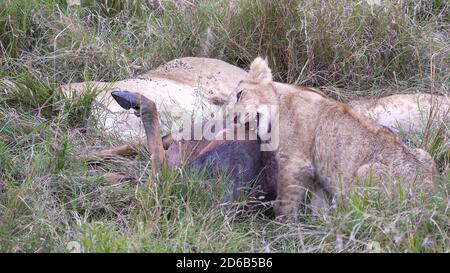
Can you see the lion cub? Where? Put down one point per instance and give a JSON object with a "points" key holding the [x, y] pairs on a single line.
{"points": [[324, 146]]}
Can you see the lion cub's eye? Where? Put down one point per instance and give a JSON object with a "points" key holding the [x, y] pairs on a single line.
{"points": [[239, 94]]}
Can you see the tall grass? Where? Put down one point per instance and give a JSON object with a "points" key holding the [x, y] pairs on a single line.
{"points": [[50, 203], [348, 44], [47, 206]]}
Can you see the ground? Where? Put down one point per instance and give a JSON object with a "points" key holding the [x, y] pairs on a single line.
{"points": [[51, 203]]}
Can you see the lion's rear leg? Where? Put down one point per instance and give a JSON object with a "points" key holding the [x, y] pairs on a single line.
{"points": [[376, 171], [404, 175], [320, 199], [383, 176], [428, 166]]}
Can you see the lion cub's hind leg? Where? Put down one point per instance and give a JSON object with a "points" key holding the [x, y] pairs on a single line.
{"points": [[320, 199], [370, 169], [381, 175], [428, 165], [376, 171]]}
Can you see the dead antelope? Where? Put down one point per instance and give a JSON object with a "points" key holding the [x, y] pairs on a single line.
{"points": [[244, 162]]}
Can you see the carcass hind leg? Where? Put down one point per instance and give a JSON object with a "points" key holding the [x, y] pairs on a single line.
{"points": [[147, 110]]}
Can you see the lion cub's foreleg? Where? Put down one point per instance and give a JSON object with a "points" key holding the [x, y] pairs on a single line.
{"points": [[295, 178]]}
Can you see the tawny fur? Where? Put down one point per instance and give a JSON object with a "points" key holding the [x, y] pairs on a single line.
{"points": [[409, 113], [218, 78], [325, 145], [187, 84]]}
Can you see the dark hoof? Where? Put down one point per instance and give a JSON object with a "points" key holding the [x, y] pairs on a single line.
{"points": [[126, 99]]}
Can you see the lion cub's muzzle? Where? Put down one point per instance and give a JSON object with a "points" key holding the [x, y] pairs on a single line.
{"points": [[253, 122]]}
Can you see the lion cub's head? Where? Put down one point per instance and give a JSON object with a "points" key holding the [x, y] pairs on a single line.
{"points": [[255, 98]]}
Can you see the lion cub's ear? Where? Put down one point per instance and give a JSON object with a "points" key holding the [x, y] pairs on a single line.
{"points": [[259, 70]]}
